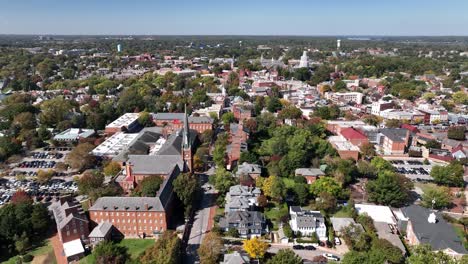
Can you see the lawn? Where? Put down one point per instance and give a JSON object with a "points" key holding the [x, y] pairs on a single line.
{"points": [[135, 247], [274, 212], [40, 252], [342, 213], [425, 186]]}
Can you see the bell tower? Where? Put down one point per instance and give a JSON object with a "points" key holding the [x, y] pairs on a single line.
{"points": [[187, 144]]}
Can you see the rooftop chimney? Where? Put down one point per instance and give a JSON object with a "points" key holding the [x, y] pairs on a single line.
{"points": [[146, 206]]}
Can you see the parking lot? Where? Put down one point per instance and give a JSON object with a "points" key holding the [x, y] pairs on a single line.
{"points": [[413, 169], [41, 159], [39, 192]]}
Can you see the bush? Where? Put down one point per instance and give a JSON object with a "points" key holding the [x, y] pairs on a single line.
{"points": [[28, 258]]}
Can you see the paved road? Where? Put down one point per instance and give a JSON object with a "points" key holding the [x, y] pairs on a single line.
{"points": [[200, 223], [305, 254]]}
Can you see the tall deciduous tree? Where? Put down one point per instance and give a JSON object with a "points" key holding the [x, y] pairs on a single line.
{"points": [[285, 256], [185, 187], [210, 248], [80, 157], [167, 250], [255, 248], [109, 252], [389, 189]]}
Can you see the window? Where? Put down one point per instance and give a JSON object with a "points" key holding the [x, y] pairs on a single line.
{"points": [[100, 213], [128, 214], [68, 233], [74, 231]]}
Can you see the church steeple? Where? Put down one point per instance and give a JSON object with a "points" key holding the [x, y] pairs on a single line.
{"points": [[186, 145], [186, 132]]}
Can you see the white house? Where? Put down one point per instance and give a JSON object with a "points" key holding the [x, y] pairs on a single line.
{"points": [[307, 222]]}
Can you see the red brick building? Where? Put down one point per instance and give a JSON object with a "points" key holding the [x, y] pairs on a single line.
{"points": [[354, 136], [175, 121], [136, 216], [70, 219]]}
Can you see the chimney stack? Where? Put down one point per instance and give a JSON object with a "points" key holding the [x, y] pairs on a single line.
{"points": [[146, 207]]}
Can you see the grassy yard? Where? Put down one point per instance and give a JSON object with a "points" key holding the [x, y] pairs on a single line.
{"points": [[135, 247], [342, 213], [42, 254], [274, 211], [425, 186]]}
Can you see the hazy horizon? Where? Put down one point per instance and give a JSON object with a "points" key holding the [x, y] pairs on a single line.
{"points": [[235, 18]]}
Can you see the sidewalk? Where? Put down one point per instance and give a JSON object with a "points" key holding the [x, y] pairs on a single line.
{"points": [[58, 250]]}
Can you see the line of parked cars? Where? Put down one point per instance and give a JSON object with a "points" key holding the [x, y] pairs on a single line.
{"points": [[46, 155], [38, 164], [57, 149], [413, 171], [39, 192]]}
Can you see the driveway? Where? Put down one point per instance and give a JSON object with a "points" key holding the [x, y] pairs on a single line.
{"points": [[305, 254]]}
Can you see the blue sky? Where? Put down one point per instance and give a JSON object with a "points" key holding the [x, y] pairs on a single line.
{"points": [[235, 17]]}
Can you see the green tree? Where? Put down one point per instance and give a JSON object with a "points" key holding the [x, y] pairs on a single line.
{"points": [[109, 252], [449, 175], [456, 132], [54, 111], [227, 118], [185, 187], [423, 254], [389, 189], [368, 150], [441, 195], [149, 186], [80, 157], [393, 123], [112, 168], [166, 250], [210, 248], [301, 192], [326, 184], [381, 165], [285, 256], [90, 181], [274, 188], [222, 180], [460, 97], [145, 119], [433, 144]]}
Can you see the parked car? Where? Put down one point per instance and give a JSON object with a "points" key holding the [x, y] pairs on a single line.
{"points": [[331, 257], [298, 247], [337, 241], [310, 248]]}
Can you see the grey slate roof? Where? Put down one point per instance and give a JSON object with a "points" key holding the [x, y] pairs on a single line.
{"points": [[307, 218], [440, 235], [235, 258], [309, 172], [101, 230], [180, 116], [395, 134], [247, 168], [155, 164], [128, 203], [242, 217], [340, 223], [384, 231], [66, 211]]}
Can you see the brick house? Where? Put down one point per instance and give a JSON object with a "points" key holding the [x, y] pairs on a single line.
{"points": [[393, 141], [70, 219], [311, 174]]}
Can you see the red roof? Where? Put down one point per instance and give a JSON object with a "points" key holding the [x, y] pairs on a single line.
{"points": [[351, 133], [411, 128]]}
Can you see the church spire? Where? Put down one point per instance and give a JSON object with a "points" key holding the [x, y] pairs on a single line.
{"points": [[186, 132]]}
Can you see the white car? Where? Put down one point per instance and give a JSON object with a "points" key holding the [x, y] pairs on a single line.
{"points": [[331, 257], [337, 241]]}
